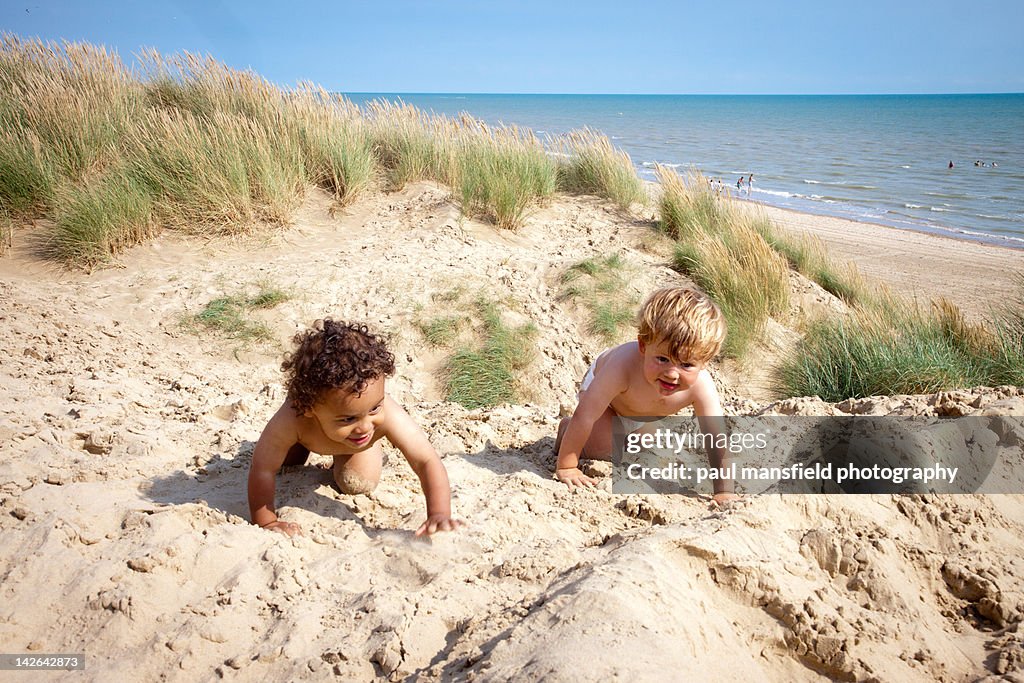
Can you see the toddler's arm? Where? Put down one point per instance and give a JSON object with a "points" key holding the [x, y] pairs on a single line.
{"points": [[594, 401], [426, 463], [708, 409], [267, 457]]}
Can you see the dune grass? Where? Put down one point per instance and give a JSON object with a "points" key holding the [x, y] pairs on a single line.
{"points": [[219, 150], [98, 219], [808, 256], [230, 315], [501, 173], [600, 284], [893, 346], [487, 372], [591, 165], [720, 248], [441, 330], [404, 144]]}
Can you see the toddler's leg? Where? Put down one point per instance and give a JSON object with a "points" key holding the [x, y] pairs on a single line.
{"points": [[359, 473]]}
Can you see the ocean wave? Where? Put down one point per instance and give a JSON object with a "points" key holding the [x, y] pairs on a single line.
{"points": [[775, 193], [941, 209], [988, 237], [853, 186], [913, 206], [943, 195], [812, 182]]}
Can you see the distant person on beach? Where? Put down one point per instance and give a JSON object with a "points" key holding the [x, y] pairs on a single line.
{"points": [[750, 182], [665, 370], [951, 164], [739, 183], [337, 406]]}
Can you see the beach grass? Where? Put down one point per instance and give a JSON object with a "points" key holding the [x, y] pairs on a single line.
{"points": [[231, 317], [895, 346], [501, 173], [441, 330], [404, 144], [720, 248], [600, 284], [221, 151], [96, 220], [487, 371], [591, 165], [808, 256]]}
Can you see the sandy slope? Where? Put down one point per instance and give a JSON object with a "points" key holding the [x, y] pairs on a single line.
{"points": [[125, 442]]}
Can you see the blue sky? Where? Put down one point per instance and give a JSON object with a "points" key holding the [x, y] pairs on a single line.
{"points": [[565, 46]]}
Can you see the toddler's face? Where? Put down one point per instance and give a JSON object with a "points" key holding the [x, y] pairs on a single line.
{"points": [[667, 374], [350, 418]]}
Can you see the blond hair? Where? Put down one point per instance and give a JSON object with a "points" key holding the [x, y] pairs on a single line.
{"points": [[687, 319]]}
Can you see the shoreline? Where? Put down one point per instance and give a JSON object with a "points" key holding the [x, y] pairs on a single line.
{"points": [[974, 275], [943, 231]]}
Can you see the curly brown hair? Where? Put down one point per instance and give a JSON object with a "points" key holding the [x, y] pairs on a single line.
{"points": [[334, 355]]}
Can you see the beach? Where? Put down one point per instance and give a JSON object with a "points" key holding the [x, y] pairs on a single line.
{"points": [[127, 435], [973, 275]]}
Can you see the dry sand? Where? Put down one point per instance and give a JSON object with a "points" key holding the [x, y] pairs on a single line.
{"points": [[975, 276], [125, 442]]}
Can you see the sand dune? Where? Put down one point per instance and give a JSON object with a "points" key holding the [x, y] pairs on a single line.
{"points": [[125, 443]]}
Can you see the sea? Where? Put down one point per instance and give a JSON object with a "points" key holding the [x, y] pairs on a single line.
{"points": [[872, 158]]}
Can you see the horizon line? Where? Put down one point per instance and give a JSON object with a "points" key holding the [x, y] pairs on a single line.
{"points": [[627, 94]]}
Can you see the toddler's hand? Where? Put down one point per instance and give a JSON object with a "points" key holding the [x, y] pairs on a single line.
{"points": [[286, 528], [436, 523], [572, 476], [725, 500]]}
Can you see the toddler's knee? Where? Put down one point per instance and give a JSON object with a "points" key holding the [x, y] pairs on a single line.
{"points": [[354, 484]]}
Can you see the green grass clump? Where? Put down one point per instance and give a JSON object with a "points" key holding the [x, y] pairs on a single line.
{"points": [[229, 315], [501, 173], [335, 142], [600, 284], [896, 347], [807, 256], [441, 331], [487, 372], [27, 176], [404, 143], [719, 247], [216, 175], [94, 221], [593, 166]]}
